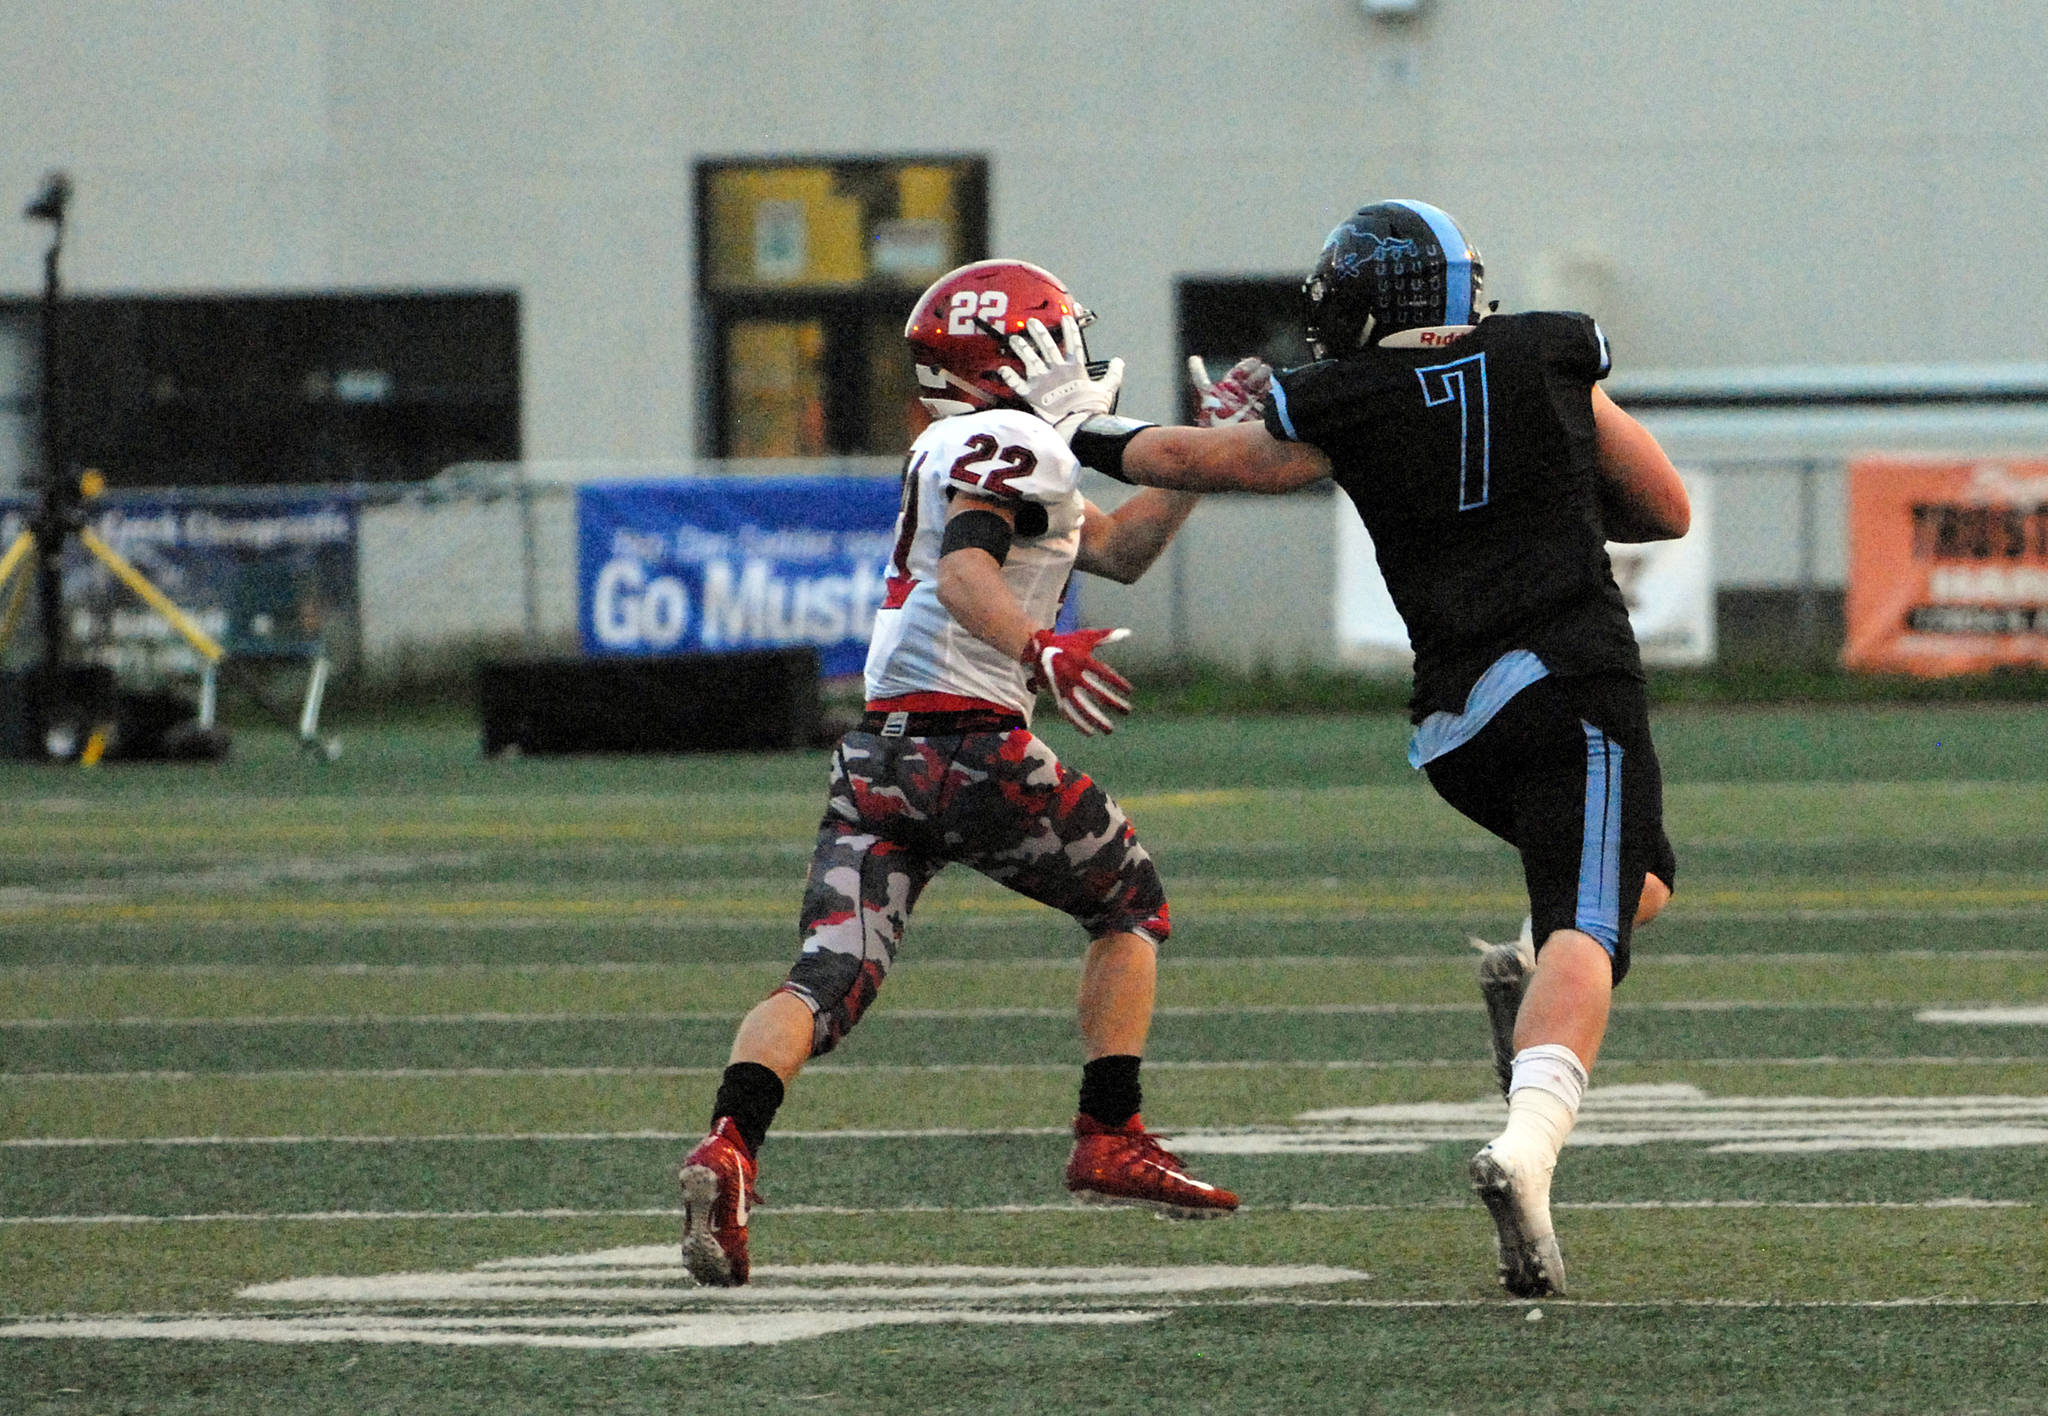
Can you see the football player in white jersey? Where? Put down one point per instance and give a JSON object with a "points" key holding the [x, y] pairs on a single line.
{"points": [[944, 767]]}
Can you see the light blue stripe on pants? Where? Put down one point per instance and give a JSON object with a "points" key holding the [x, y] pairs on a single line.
{"points": [[1599, 909]]}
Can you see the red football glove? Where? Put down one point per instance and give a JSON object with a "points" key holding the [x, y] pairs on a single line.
{"points": [[1082, 686], [1238, 397]]}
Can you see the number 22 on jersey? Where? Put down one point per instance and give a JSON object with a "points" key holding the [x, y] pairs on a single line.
{"points": [[988, 467]]}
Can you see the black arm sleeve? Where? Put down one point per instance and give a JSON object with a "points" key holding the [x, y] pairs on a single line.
{"points": [[1099, 443], [982, 529]]}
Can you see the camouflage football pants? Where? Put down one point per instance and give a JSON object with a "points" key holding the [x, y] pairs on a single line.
{"points": [[901, 809]]}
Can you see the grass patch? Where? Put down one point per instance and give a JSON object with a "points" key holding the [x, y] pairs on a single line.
{"points": [[262, 948]]}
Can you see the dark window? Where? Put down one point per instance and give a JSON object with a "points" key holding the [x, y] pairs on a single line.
{"points": [[231, 389], [1224, 318]]}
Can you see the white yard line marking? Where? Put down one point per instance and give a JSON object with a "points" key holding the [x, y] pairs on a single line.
{"points": [[1062, 964], [1942, 1301], [934, 1133], [717, 1016], [1986, 1014], [1665, 1113], [2000, 1017], [1857, 914], [1961, 1202], [1624, 1115], [674, 920], [340, 1216], [942, 1068]]}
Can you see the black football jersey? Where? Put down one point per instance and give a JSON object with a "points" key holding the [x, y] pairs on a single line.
{"points": [[1473, 467]]}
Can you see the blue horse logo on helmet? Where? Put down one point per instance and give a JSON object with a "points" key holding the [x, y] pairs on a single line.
{"points": [[1374, 248]]}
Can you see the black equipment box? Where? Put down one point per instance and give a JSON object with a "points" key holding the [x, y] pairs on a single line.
{"points": [[756, 700]]}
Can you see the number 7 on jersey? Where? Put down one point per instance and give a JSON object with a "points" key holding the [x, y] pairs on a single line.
{"points": [[1457, 383]]}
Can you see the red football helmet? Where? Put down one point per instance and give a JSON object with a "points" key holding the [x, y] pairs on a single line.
{"points": [[959, 330]]}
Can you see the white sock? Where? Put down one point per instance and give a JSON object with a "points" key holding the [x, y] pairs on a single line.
{"points": [[1544, 1094], [1554, 1069]]}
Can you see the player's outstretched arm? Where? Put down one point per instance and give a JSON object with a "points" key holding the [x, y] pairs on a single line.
{"points": [[1121, 545], [1238, 457], [1233, 457], [1641, 496]]}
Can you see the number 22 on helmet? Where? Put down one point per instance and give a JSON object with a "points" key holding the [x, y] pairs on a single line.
{"points": [[959, 331]]}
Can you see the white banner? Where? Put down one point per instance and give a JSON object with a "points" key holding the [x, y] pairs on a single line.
{"points": [[1669, 587]]}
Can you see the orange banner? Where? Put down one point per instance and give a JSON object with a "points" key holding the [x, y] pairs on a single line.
{"points": [[1948, 566]]}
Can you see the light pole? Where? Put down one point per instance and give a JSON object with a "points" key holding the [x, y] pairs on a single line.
{"points": [[57, 512]]}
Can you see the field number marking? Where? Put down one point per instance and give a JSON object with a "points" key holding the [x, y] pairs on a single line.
{"points": [[639, 1297]]}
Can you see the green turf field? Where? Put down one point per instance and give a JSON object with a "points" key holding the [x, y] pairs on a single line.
{"points": [[357, 1086]]}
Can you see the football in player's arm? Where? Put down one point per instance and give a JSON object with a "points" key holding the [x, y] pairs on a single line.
{"points": [[1490, 470]]}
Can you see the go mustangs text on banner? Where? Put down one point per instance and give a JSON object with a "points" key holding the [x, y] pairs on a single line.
{"points": [[715, 564]]}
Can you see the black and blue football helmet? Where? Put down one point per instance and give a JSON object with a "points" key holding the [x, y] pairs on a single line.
{"points": [[1391, 266]]}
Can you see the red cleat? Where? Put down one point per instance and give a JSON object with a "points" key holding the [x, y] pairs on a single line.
{"points": [[1123, 1165], [718, 1187]]}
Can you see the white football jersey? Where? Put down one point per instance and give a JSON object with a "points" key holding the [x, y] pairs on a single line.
{"points": [[1003, 455]]}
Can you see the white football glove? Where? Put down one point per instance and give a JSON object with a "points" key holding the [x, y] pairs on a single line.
{"points": [[1055, 382], [1238, 397]]}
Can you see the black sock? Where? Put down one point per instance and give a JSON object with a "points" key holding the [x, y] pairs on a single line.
{"points": [[749, 1093], [1109, 1089]]}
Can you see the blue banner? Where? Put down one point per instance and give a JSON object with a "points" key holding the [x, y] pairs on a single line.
{"points": [[262, 576], [705, 565]]}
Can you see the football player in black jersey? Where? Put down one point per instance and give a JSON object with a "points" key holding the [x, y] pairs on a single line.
{"points": [[1491, 470]]}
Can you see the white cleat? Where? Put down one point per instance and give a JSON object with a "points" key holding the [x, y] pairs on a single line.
{"points": [[1504, 971], [1517, 1195]]}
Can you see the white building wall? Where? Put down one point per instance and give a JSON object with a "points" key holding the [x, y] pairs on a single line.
{"points": [[1726, 183], [1853, 181]]}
